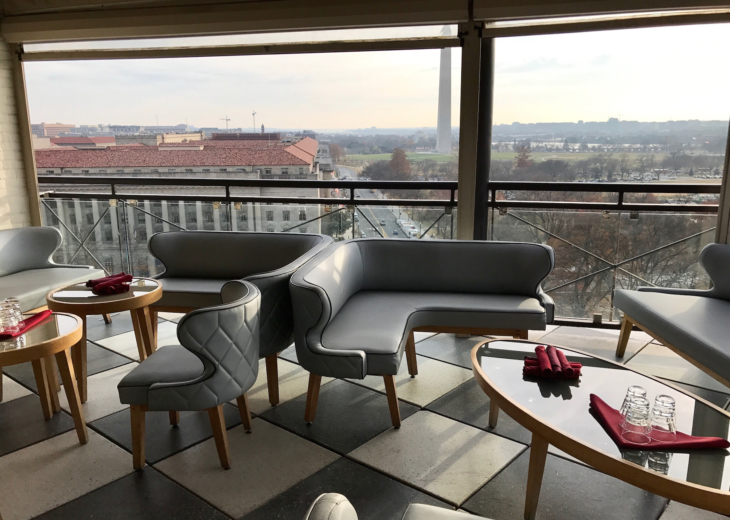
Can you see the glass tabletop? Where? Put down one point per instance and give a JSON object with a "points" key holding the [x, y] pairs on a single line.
{"points": [[55, 326], [79, 293], [564, 406]]}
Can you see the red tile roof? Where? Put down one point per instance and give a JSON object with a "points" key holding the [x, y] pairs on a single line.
{"points": [[163, 157], [82, 140]]}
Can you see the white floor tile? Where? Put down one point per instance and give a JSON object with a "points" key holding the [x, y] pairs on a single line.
{"points": [[420, 336], [103, 397], [43, 476], [12, 390], [439, 455], [126, 343], [264, 463], [171, 316], [599, 342]]}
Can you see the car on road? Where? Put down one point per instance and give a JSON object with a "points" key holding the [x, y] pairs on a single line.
{"points": [[382, 222], [358, 195], [395, 231], [362, 234], [372, 191]]}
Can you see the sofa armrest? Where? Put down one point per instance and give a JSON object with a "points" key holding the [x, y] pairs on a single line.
{"points": [[548, 304], [676, 290]]}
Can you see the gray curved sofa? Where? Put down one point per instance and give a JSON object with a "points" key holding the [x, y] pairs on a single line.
{"points": [[199, 263], [357, 304], [27, 270], [693, 323], [333, 506]]}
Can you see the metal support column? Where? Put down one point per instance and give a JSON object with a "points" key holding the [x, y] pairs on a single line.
{"points": [[722, 233], [484, 139]]}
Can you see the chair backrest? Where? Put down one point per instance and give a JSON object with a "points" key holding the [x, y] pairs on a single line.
{"points": [[228, 255], [226, 337], [331, 506], [715, 259], [22, 249]]}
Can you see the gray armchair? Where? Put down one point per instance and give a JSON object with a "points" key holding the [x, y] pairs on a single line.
{"points": [[198, 264], [216, 361], [333, 506], [27, 270], [357, 304], [693, 323]]}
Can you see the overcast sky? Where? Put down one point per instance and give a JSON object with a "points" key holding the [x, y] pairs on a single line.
{"points": [[647, 75]]}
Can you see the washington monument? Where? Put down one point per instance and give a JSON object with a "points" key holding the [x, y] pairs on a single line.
{"points": [[443, 131]]}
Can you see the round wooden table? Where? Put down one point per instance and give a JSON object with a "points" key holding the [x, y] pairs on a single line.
{"points": [[557, 413], [53, 337], [79, 300]]}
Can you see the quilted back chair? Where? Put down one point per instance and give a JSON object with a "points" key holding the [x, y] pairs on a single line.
{"points": [[216, 361], [198, 264]]}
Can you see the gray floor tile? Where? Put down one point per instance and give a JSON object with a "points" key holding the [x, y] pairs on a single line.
{"points": [[103, 396], [661, 362], [265, 463], [469, 404], [443, 457], [420, 336], [161, 439], [171, 316], [434, 379], [449, 348], [373, 495], [96, 329], [126, 343], [598, 342], [31, 485], [143, 495], [677, 511], [22, 424], [347, 416], [716, 398], [569, 490]]}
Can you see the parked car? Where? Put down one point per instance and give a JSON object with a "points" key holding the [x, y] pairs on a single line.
{"points": [[362, 234], [382, 222], [395, 231]]}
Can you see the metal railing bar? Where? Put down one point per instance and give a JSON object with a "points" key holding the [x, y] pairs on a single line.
{"points": [[589, 275], [157, 217], [635, 276], [432, 225], [623, 262], [96, 224], [312, 220], [60, 221], [608, 206]]}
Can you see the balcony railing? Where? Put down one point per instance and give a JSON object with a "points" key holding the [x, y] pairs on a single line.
{"points": [[606, 236]]}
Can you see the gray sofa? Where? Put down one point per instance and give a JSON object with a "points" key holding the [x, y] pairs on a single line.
{"points": [[199, 263], [693, 323], [333, 506], [27, 270], [357, 304]]}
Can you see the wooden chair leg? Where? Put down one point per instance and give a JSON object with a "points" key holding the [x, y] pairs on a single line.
{"points": [[218, 424], [538, 455], [78, 352], [107, 318], [520, 334], [154, 320], [312, 397], [493, 414], [174, 418], [245, 412], [138, 433], [272, 378], [411, 355], [392, 400], [623, 338]]}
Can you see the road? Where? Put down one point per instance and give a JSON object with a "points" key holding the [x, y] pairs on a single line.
{"points": [[381, 216]]}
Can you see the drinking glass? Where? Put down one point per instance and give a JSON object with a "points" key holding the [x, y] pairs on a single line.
{"points": [[633, 391], [636, 425], [663, 419], [9, 319], [659, 461], [15, 305]]}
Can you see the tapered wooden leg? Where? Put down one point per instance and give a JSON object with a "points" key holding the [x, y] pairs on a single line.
{"points": [[312, 397], [145, 330], [54, 386], [79, 361], [623, 338], [538, 454], [138, 335], [66, 368], [153, 319], [272, 378], [392, 400], [107, 318], [218, 424], [174, 418], [41, 380], [493, 414], [411, 355], [243, 409], [520, 334], [138, 435]]}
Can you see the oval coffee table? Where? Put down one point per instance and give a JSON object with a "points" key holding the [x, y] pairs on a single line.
{"points": [[51, 338], [556, 412], [79, 300]]}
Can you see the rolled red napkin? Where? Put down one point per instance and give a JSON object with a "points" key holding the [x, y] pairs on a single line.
{"points": [[27, 324], [106, 290], [554, 362], [532, 362], [534, 371], [544, 361], [118, 278], [566, 365], [610, 419]]}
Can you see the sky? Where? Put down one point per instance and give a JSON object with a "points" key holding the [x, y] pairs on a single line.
{"points": [[656, 74]]}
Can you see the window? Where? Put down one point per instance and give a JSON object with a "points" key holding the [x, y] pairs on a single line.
{"points": [[285, 216], [206, 170], [72, 218], [90, 219], [49, 171], [284, 171], [241, 170], [109, 264], [301, 171], [84, 171], [192, 217], [269, 215], [141, 234], [137, 171], [223, 169], [207, 214], [243, 217], [108, 237], [188, 170], [302, 214], [140, 218], [155, 170], [267, 171], [120, 171], [102, 171], [171, 170]]}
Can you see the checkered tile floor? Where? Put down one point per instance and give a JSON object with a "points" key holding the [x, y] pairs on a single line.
{"points": [[444, 454]]}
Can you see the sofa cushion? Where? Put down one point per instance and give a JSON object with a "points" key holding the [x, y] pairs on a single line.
{"points": [[424, 512], [32, 286], [378, 322], [696, 325], [190, 292], [170, 364]]}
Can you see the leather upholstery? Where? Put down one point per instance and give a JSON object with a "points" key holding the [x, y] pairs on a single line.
{"points": [[424, 512], [331, 506], [198, 263], [27, 270], [216, 362], [356, 302]]}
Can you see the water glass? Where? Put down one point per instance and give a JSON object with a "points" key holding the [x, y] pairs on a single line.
{"points": [[9, 319], [15, 304], [632, 392], [636, 425], [659, 461], [663, 419]]}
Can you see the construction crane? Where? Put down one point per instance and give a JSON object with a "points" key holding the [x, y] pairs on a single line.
{"points": [[254, 121], [226, 119]]}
